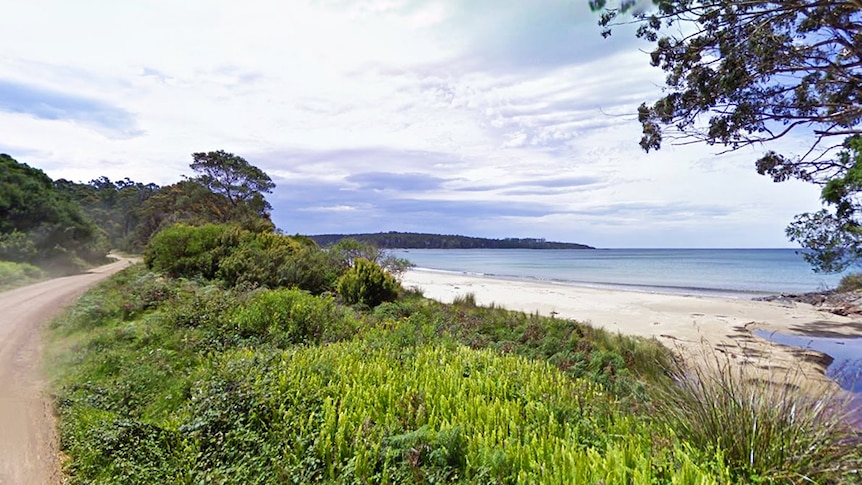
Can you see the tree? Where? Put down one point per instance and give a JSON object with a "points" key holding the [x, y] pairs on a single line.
{"points": [[39, 224], [834, 237], [749, 72], [241, 183], [227, 189], [116, 207]]}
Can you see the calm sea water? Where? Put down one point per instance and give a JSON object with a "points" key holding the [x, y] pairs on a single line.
{"points": [[726, 272]]}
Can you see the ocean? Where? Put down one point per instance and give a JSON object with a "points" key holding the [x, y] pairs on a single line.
{"points": [[740, 273]]}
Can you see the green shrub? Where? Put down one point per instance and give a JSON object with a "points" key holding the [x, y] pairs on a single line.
{"points": [[850, 282], [188, 251], [467, 300], [274, 261], [256, 259], [368, 284], [311, 269], [289, 316], [347, 413], [16, 274]]}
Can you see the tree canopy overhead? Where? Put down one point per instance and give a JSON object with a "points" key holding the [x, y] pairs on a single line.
{"points": [[749, 72]]}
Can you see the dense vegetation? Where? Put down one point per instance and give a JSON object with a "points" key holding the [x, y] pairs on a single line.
{"points": [[63, 226], [176, 372], [408, 240], [42, 226]]}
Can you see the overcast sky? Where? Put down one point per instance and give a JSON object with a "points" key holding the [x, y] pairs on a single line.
{"points": [[487, 118]]}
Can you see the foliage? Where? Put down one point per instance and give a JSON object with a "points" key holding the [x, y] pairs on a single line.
{"points": [[42, 226], [256, 258], [289, 316], [227, 190], [146, 396], [769, 430], [188, 251], [850, 282], [115, 206], [367, 283], [180, 381], [618, 362], [241, 257], [409, 240], [747, 73], [231, 176], [18, 274], [833, 238], [757, 70], [346, 251]]}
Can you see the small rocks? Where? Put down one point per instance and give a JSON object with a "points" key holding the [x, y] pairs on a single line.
{"points": [[845, 304]]}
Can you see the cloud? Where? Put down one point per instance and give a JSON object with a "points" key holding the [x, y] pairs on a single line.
{"points": [[482, 117], [53, 105], [395, 181]]}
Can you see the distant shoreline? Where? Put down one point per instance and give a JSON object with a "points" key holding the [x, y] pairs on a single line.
{"points": [[413, 240]]}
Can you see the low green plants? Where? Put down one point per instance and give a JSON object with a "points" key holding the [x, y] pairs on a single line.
{"points": [[290, 316], [162, 380], [467, 300], [368, 284], [18, 274]]}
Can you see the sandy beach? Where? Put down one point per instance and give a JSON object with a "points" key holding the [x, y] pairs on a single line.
{"points": [[695, 326]]}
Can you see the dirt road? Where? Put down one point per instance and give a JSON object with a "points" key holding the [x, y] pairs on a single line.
{"points": [[29, 452]]}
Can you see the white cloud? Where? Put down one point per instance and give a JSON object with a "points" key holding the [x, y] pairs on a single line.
{"points": [[490, 96]]}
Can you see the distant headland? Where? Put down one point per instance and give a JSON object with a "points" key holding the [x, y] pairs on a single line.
{"points": [[411, 240]]}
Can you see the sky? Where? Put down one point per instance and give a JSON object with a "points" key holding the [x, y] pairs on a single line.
{"points": [[490, 118]]}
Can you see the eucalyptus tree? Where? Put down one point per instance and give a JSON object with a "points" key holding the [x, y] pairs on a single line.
{"points": [[750, 72]]}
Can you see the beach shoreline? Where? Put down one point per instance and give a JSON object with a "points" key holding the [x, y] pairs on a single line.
{"points": [[695, 327]]}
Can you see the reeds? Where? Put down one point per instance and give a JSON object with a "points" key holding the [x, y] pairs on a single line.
{"points": [[769, 429]]}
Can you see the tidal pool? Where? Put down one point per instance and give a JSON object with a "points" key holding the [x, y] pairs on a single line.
{"points": [[845, 369]]}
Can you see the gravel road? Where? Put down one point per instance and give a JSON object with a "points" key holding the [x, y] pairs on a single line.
{"points": [[29, 452]]}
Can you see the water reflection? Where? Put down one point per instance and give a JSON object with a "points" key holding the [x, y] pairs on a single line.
{"points": [[845, 369]]}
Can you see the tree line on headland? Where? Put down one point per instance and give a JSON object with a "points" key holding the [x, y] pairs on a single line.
{"points": [[410, 240]]}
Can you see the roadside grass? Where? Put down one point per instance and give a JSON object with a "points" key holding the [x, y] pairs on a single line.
{"points": [[181, 381], [13, 275]]}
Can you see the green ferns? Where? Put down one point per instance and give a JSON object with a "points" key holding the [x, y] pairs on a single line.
{"points": [[181, 381]]}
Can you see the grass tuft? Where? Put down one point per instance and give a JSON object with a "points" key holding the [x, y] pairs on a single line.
{"points": [[766, 430]]}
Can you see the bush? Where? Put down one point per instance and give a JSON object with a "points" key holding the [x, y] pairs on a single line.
{"points": [[256, 259], [188, 251], [289, 316], [367, 283], [850, 282], [15, 274]]}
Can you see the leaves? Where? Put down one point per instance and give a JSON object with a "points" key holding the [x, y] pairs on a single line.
{"points": [[742, 73]]}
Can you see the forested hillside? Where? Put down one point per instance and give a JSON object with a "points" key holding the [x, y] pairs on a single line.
{"points": [[40, 225], [409, 240], [56, 227]]}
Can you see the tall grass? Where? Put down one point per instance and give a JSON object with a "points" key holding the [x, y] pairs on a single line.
{"points": [[767, 430]]}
